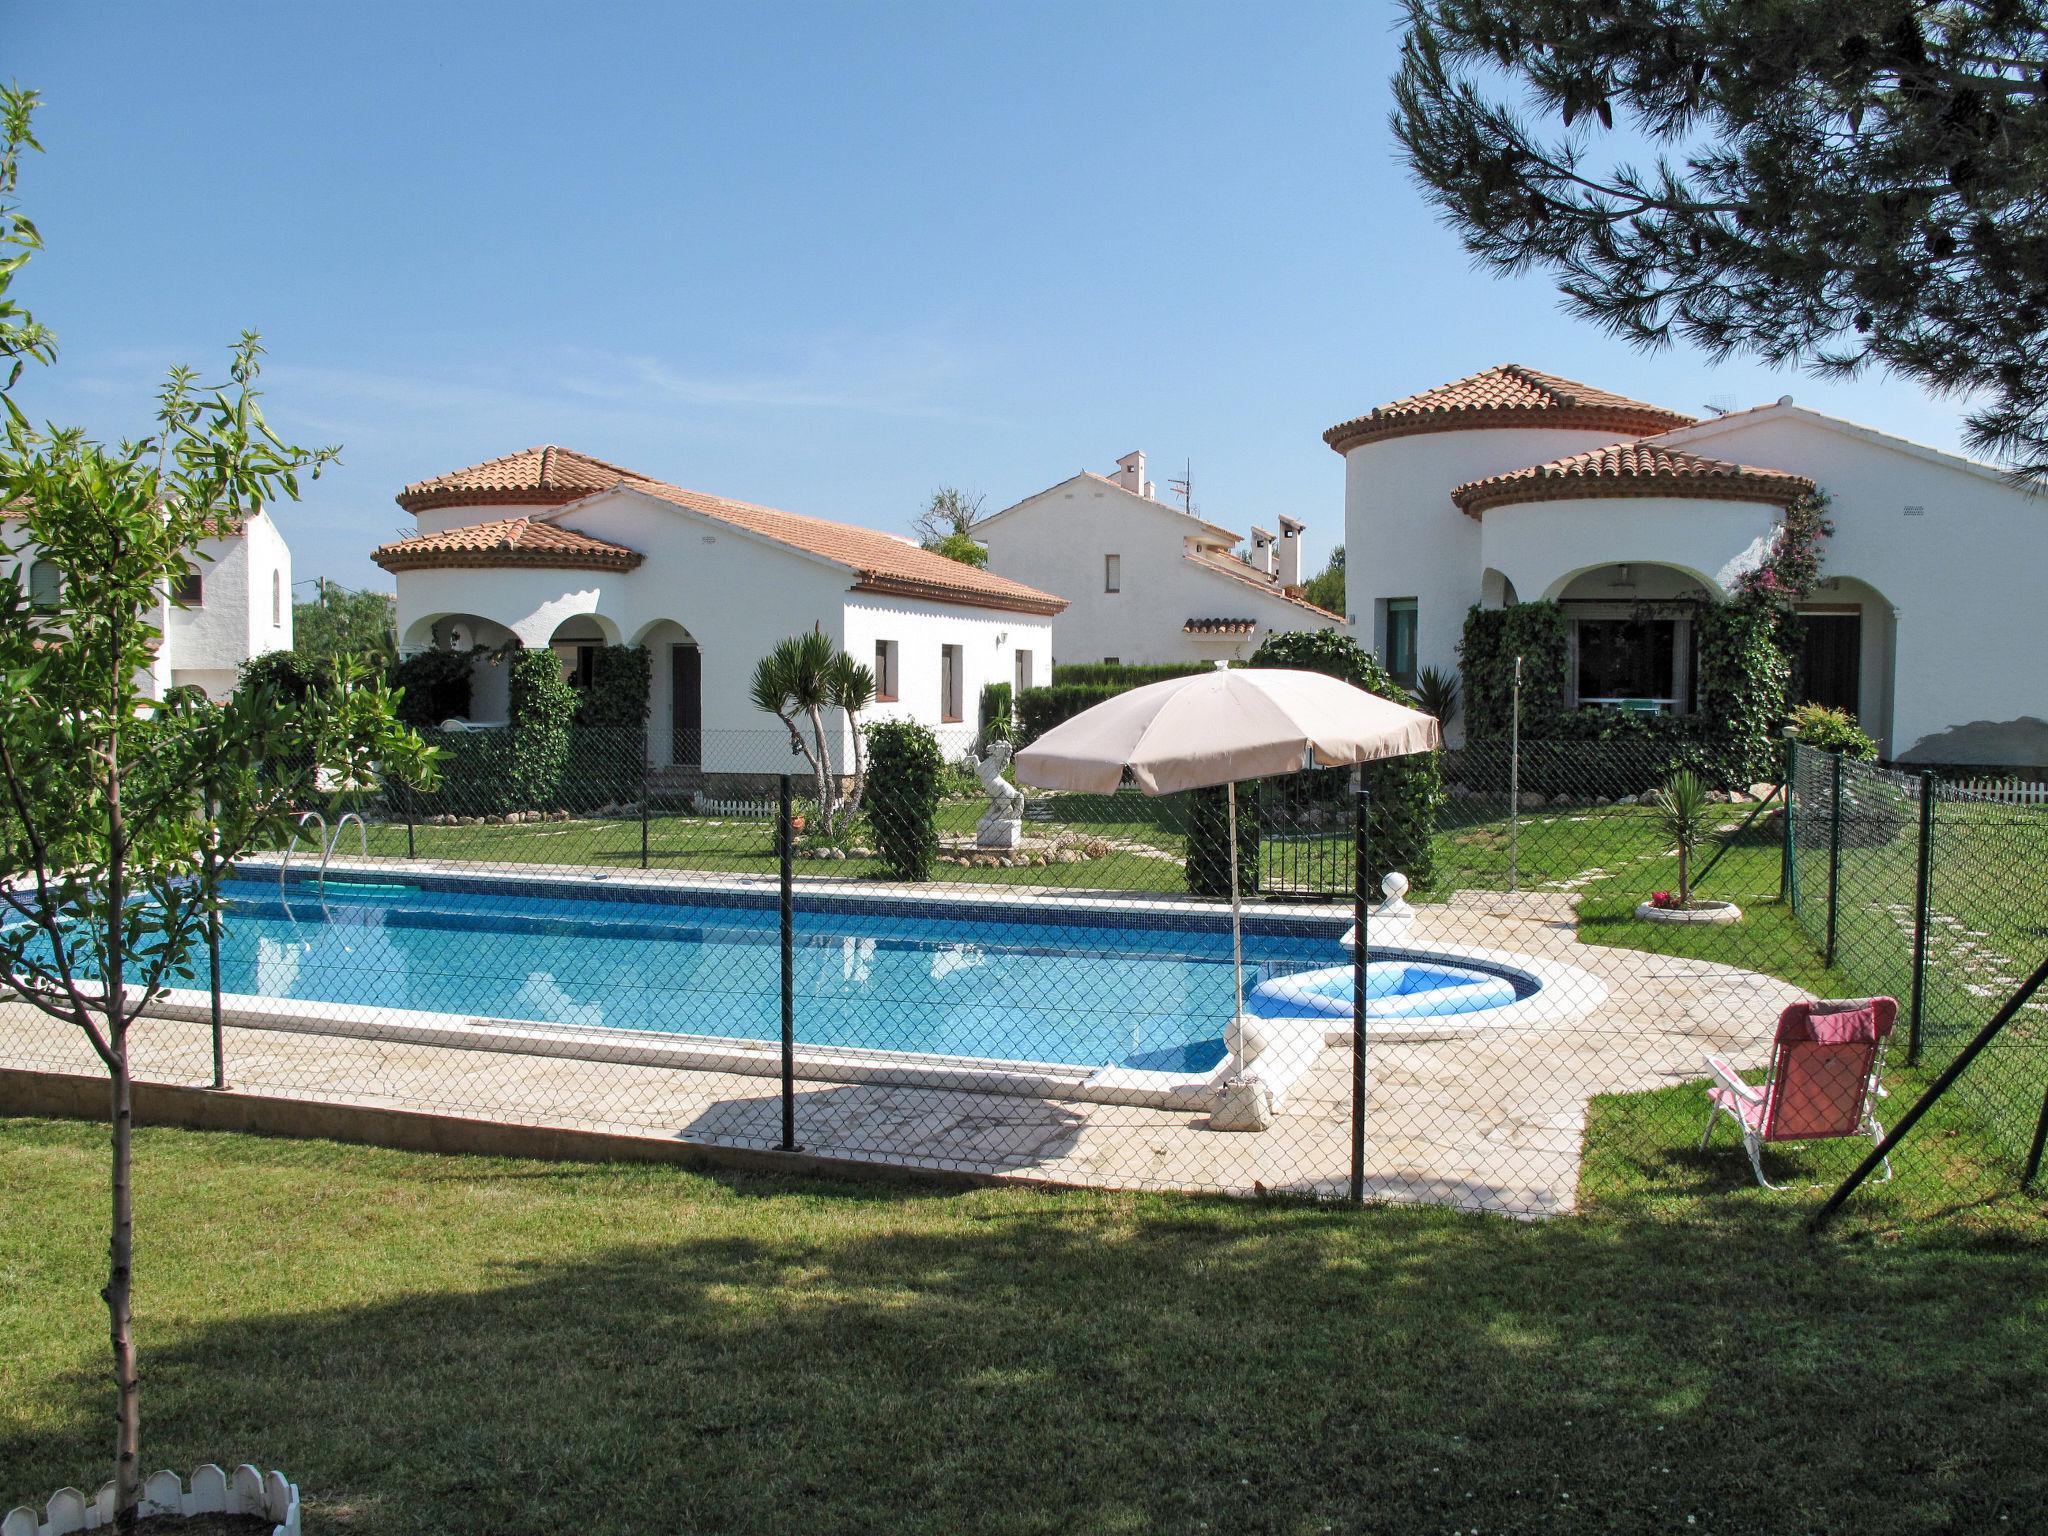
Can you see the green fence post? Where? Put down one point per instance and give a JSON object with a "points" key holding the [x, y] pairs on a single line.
{"points": [[1788, 867], [1834, 858], [2034, 1152], [1923, 896], [643, 810]]}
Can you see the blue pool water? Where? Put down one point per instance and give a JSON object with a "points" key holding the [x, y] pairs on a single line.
{"points": [[942, 979]]}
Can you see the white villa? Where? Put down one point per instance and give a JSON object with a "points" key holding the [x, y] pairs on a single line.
{"points": [[1146, 582], [1515, 485], [238, 604], [548, 547]]}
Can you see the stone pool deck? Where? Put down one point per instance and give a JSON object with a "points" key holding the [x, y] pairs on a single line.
{"points": [[1490, 1121]]}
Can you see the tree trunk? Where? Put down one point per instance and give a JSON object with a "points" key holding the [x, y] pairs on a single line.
{"points": [[120, 1289], [823, 763]]}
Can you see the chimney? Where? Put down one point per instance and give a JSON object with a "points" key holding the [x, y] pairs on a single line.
{"points": [[1130, 473], [1290, 552], [1262, 550]]}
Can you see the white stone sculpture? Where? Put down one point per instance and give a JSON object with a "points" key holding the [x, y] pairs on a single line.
{"points": [[1002, 824]]}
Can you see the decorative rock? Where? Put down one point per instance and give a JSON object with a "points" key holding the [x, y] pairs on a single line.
{"points": [[1532, 801], [1096, 848], [1714, 912]]}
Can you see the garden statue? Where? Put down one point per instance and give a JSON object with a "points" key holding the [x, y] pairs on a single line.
{"points": [[1002, 824]]}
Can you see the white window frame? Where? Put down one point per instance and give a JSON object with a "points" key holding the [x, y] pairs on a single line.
{"points": [[885, 671]]}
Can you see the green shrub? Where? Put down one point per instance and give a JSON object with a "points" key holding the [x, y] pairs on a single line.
{"points": [[1208, 858], [905, 766], [1125, 674], [1493, 638], [1742, 678], [620, 679], [1040, 709], [286, 671], [1407, 792], [1831, 730], [539, 708], [994, 715], [435, 684]]}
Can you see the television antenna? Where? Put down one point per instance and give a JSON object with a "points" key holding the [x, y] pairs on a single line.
{"points": [[1184, 487]]}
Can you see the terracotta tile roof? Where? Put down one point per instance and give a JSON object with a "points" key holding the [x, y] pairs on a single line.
{"points": [[1507, 396], [546, 476], [1236, 570], [554, 477], [881, 561], [1632, 469], [1219, 626], [506, 541]]}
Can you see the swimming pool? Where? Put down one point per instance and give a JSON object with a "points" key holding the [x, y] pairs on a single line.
{"points": [[933, 978]]}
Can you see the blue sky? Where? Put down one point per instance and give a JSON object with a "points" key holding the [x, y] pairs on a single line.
{"points": [[823, 257]]}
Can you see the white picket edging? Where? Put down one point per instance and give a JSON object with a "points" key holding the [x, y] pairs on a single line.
{"points": [[245, 1491], [2004, 791], [704, 805]]}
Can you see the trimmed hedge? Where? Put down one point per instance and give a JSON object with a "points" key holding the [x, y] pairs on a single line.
{"points": [[1407, 792], [1127, 674], [1040, 709], [621, 678], [1208, 859], [520, 767], [1493, 638], [1742, 681], [905, 768]]}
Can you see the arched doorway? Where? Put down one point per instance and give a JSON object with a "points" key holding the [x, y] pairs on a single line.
{"points": [[1843, 652], [485, 699], [1629, 635], [675, 713]]}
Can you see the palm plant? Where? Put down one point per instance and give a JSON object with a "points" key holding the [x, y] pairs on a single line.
{"points": [[1436, 693], [794, 679], [851, 687], [1682, 808]]}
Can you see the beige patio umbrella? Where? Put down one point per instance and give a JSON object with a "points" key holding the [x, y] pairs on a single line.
{"points": [[1217, 728]]}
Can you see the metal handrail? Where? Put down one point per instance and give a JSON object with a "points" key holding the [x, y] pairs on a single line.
{"points": [[284, 863]]}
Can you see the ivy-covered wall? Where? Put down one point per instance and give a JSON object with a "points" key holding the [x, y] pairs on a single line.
{"points": [[519, 767], [1743, 674], [1493, 638]]}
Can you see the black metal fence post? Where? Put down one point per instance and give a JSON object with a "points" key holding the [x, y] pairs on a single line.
{"points": [[2040, 1141], [1923, 897], [786, 844], [1361, 956], [409, 853], [220, 1051], [643, 810], [1834, 858]]}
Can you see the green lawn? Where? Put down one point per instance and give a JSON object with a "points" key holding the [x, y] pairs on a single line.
{"points": [[468, 1345]]}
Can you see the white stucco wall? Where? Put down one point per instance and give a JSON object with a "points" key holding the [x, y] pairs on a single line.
{"points": [[1541, 546], [735, 596], [1962, 575], [1405, 538], [205, 646], [1057, 540]]}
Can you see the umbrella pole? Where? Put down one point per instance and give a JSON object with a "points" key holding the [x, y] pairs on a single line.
{"points": [[1236, 917]]}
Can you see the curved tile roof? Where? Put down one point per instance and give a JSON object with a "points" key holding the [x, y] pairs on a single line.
{"points": [[1632, 469], [546, 476], [506, 541], [551, 476], [1508, 396]]}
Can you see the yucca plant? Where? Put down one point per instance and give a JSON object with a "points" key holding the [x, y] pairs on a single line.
{"points": [[1436, 693], [1682, 810]]}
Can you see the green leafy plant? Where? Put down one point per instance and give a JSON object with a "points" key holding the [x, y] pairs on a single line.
{"points": [[1407, 792], [1492, 639], [801, 678], [434, 685], [1436, 693], [339, 622], [1831, 730], [1683, 815], [1743, 674], [994, 715], [907, 769], [1208, 854], [124, 811]]}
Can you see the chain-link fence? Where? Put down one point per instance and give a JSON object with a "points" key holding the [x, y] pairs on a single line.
{"points": [[723, 941], [1938, 895]]}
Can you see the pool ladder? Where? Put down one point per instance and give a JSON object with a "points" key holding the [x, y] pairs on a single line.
{"points": [[328, 842]]}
